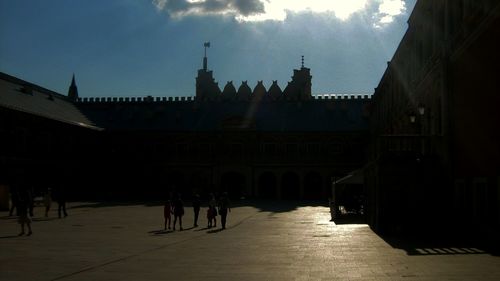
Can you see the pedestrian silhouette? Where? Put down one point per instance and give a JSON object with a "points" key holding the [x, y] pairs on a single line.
{"points": [[14, 198], [60, 197], [23, 213], [47, 201], [31, 200], [224, 207], [178, 211], [212, 211], [196, 208], [167, 213]]}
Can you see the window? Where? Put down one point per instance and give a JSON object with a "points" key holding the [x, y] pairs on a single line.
{"points": [[269, 149]]}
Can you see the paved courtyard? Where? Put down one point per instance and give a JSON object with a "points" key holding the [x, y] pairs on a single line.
{"points": [[262, 242]]}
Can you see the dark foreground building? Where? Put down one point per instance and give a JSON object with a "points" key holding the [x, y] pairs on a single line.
{"points": [[435, 138]]}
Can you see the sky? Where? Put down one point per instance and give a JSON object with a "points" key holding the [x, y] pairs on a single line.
{"points": [[133, 48]]}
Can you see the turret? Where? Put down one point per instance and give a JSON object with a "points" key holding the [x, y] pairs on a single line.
{"points": [[73, 90], [300, 86], [206, 87]]}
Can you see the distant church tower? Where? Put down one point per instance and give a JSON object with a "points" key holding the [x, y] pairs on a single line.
{"points": [[206, 87], [73, 90]]}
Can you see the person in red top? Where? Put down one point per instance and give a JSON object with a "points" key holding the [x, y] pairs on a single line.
{"points": [[167, 213]]}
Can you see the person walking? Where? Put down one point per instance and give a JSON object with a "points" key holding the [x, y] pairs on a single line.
{"points": [[224, 207], [31, 200], [212, 211], [167, 213], [47, 201], [178, 211], [60, 197], [196, 208], [14, 198], [23, 212]]}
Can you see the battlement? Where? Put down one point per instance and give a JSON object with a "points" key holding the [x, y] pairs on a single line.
{"points": [[150, 99], [147, 99], [342, 97]]}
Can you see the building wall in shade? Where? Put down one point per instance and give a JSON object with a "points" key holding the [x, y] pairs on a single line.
{"points": [[444, 76]]}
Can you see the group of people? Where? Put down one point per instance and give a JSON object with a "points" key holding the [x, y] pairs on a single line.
{"points": [[215, 207], [23, 202]]}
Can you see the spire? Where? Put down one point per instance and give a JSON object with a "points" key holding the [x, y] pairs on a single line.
{"points": [[205, 60], [73, 90]]}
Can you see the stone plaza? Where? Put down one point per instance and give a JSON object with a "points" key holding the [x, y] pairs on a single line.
{"points": [[263, 241]]}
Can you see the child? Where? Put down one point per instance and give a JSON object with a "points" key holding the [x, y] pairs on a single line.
{"points": [[212, 211], [167, 213], [211, 216]]}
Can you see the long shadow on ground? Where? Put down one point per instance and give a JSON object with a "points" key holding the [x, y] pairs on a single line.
{"points": [[418, 244]]}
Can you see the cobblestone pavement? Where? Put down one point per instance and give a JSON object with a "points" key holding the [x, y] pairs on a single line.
{"points": [[126, 242]]}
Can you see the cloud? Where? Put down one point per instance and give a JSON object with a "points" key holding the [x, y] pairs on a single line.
{"points": [[387, 11], [278, 10], [182, 8]]}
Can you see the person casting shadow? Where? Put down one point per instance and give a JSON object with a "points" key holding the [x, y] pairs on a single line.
{"points": [[196, 208], [178, 211], [47, 201], [167, 214], [60, 197], [224, 207], [14, 198], [212, 211], [23, 204]]}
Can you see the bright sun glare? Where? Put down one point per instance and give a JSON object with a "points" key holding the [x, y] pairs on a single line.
{"points": [[383, 11], [277, 9]]}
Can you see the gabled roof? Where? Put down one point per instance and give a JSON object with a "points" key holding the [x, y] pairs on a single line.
{"points": [[19, 95]]}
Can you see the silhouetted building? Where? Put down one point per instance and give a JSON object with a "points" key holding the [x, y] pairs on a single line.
{"points": [[435, 141], [253, 143], [44, 136]]}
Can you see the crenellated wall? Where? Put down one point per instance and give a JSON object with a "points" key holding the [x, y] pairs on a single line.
{"points": [[150, 99]]}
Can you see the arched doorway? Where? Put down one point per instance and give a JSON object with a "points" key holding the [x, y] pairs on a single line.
{"points": [[233, 183], [267, 186], [313, 186], [290, 186]]}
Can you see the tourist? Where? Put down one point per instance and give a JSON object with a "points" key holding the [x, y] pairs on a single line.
{"points": [[224, 207], [47, 201], [212, 211], [178, 211], [167, 213], [22, 211], [196, 208]]}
